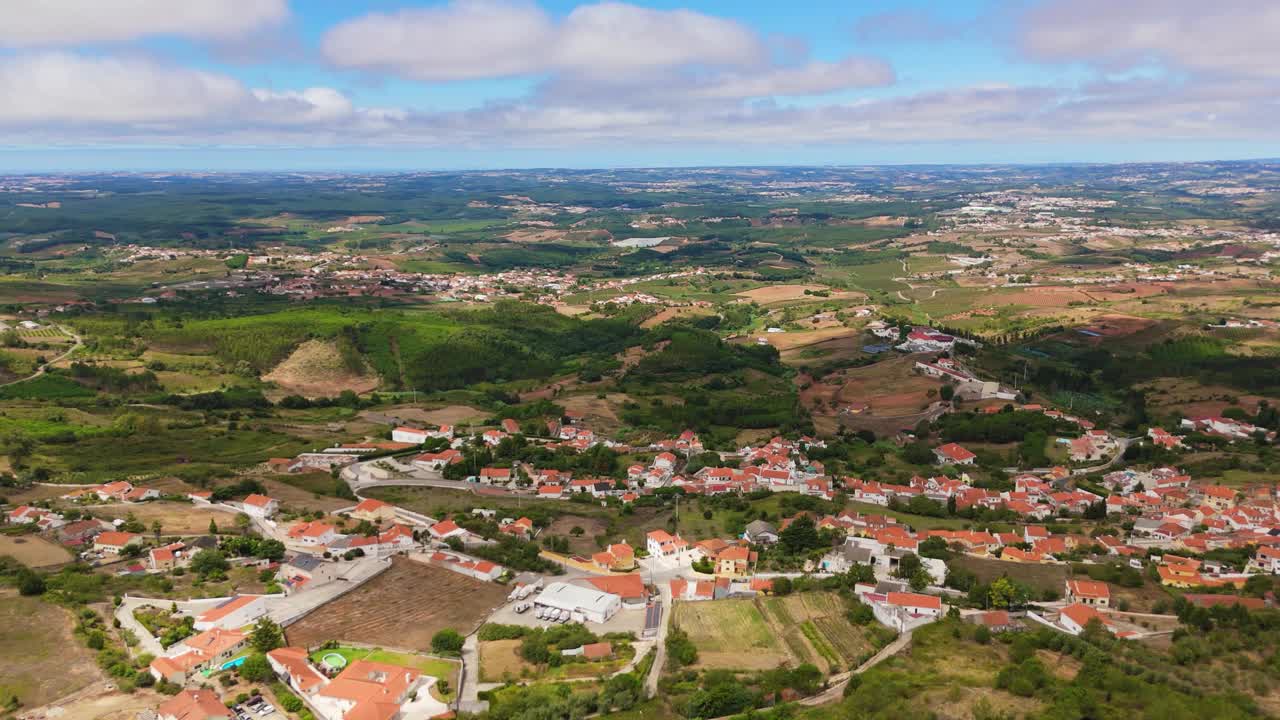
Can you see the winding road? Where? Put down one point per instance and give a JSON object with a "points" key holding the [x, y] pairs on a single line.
{"points": [[79, 343]]}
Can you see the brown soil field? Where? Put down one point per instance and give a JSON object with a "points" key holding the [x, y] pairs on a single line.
{"points": [[536, 235], [1038, 576], [889, 387], [786, 293], [584, 545], [572, 310], [96, 702], [792, 340], [596, 409], [35, 493], [671, 313], [1048, 296], [316, 369], [33, 550], [1192, 398], [293, 497], [403, 607], [176, 518], [447, 415], [46, 661], [499, 658]]}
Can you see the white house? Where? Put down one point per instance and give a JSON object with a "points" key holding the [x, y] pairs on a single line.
{"points": [[259, 506], [234, 613], [409, 435]]}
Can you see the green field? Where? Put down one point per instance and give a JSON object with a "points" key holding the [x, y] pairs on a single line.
{"points": [[765, 632]]}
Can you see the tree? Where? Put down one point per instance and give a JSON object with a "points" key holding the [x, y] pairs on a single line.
{"points": [[800, 536], [782, 586], [213, 526], [907, 566], [920, 579], [30, 583], [209, 561], [1005, 593], [242, 523], [156, 528], [266, 635], [255, 668], [447, 641]]}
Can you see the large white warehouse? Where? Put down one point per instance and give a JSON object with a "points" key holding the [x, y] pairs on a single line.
{"points": [[594, 605]]}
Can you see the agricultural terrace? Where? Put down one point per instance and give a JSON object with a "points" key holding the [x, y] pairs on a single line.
{"points": [[402, 608], [763, 633]]}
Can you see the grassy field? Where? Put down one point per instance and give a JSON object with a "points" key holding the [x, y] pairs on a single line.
{"points": [[175, 518], [45, 661], [1038, 576], [33, 550], [763, 633], [816, 630], [731, 634], [941, 676]]}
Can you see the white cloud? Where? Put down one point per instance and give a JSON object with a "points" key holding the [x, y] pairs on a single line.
{"points": [[37, 23], [1223, 36], [469, 39], [139, 96], [612, 37]]}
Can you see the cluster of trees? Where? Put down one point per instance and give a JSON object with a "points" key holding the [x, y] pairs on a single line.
{"points": [[253, 546]]}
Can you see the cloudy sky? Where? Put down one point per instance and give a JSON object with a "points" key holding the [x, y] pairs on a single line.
{"points": [[373, 84]]}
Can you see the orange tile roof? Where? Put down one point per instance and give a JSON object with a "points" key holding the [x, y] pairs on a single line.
{"points": [[226, 608], [193, 705]]}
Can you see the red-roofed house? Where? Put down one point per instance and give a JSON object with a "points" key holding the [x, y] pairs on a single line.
{"points": [[437, 460], [375, 511], [1074, 618], [208, 650], [234, 613], [313, 533], [1089, 592], [259, 505], [446, 529], [616, 557], [114, 542], [953, 454], [661, 543], [193, 705]]}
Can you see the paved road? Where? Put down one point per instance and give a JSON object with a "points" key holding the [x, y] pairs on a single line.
{"points": [[660, 642], [41, 370], [1122, 444], [469, 693], [147, 643]]}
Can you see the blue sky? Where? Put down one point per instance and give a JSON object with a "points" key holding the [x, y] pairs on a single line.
{"points": [[313, 84]]}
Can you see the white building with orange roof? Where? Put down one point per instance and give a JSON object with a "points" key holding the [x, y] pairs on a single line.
{"points": [[259, 505], [373, 510], [314, 533], [1089, 592], [235, 612], [207, 651], [199, 704], [364, 690], [660, 543]]}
